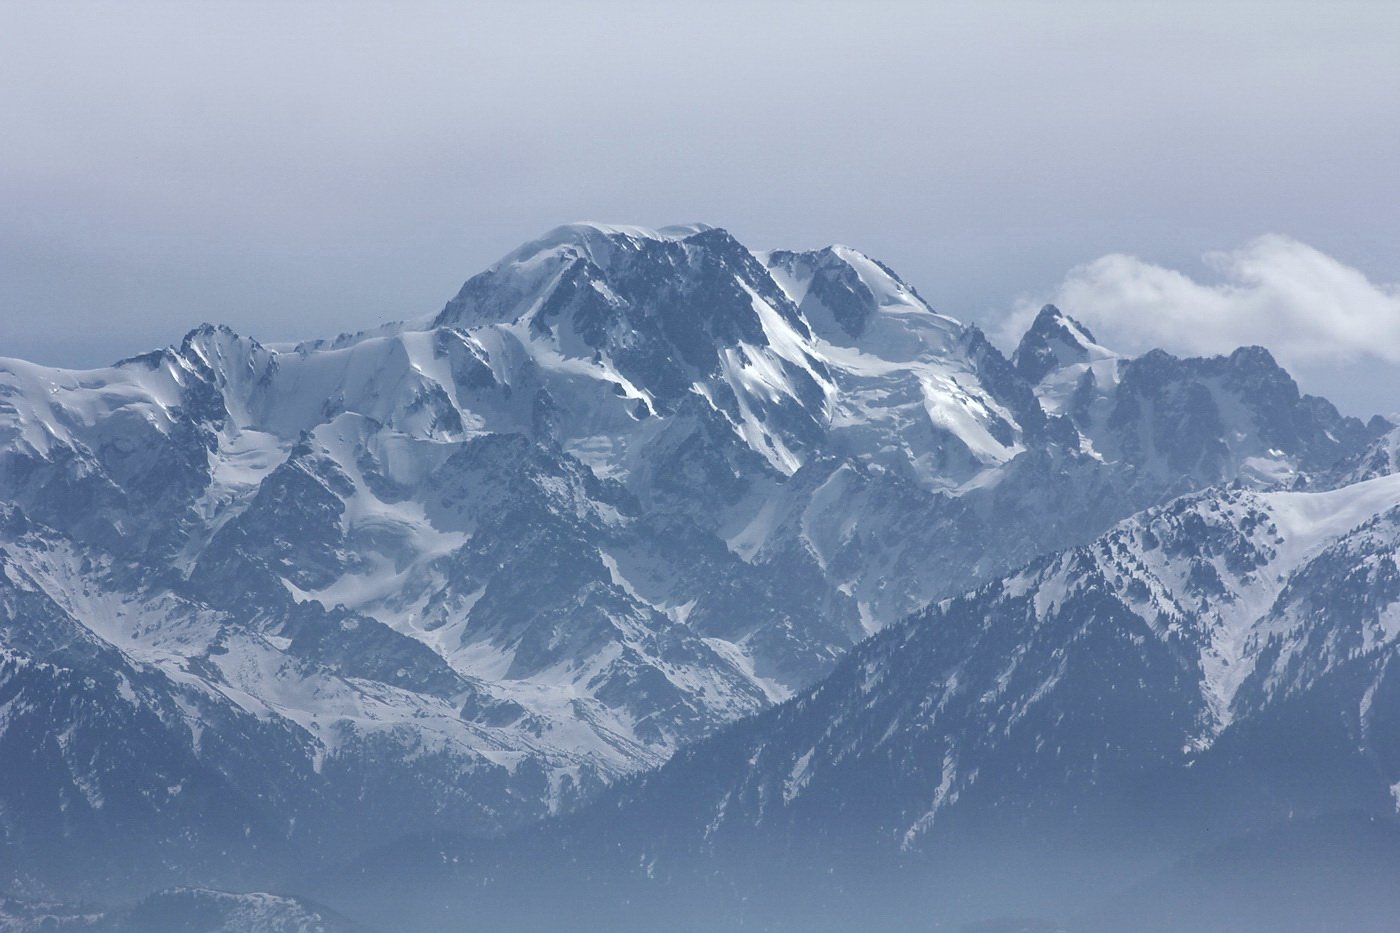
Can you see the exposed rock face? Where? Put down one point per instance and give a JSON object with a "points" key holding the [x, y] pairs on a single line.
{"points": [[627, 487]]}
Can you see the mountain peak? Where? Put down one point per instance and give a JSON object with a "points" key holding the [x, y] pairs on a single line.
{"points": [[582, 256], [598, 241], [1053, 341], [851, 298], [1050, 317]]}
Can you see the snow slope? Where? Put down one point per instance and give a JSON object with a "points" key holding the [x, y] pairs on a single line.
{"points": [[626, 487]]}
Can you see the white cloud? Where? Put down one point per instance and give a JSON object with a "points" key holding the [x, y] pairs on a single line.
{"points": [[1302, 304]]}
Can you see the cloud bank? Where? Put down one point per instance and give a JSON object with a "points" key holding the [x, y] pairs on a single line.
{"points": [[1305, 306]]}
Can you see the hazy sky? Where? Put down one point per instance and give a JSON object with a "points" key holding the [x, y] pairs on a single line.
{"points": [[304, 169]]}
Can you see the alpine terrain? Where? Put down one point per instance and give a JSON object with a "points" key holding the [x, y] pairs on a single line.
{"points": [[656, 574]]}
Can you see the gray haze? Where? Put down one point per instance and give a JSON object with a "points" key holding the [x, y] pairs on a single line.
{"points": [[301, 170]]}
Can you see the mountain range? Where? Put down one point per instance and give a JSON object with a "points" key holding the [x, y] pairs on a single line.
{"points": [[694, 573]]}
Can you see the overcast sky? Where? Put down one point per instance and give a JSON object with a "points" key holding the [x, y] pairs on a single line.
{"points": [[1191, 175]]}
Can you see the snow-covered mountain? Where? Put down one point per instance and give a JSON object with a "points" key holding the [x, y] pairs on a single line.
{"points": [[462, 572], [1186, 422], [1218, 666], [1140, 652]]}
